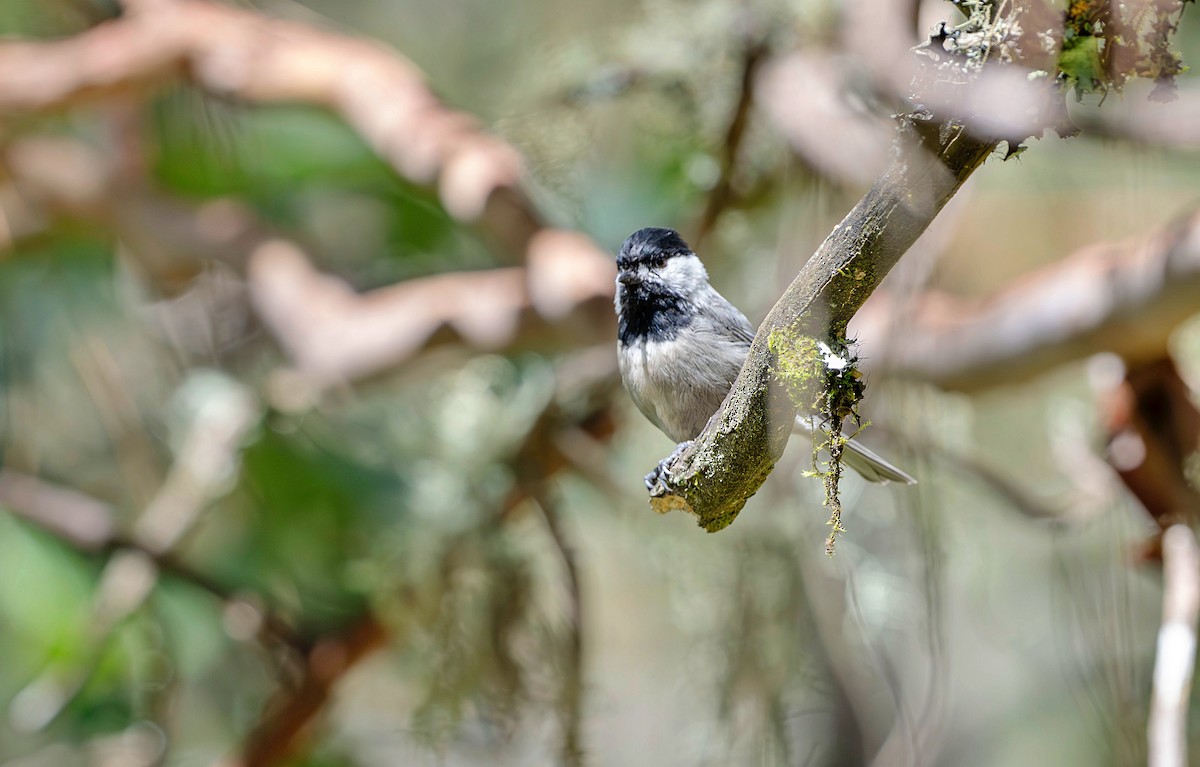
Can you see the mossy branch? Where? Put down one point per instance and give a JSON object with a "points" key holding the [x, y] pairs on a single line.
{"points": [[822, 377], [732, 457]]}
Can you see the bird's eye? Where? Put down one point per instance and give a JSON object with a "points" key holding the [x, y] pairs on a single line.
{"points": [[659, 262]]}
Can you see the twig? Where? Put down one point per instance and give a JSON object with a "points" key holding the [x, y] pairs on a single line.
{"points": [[205, 462], [1176, 655], [572, 691], [201, 469], [722, 193], [78, 519], [286, 725], [127, 580], [86, 524]]}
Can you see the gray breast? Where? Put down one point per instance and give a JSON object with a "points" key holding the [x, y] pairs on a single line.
{"points": [[679, 384]]}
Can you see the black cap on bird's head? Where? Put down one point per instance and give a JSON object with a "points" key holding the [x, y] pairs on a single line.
{"points": [[650, 245]]}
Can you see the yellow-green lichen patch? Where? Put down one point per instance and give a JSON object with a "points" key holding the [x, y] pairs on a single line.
{"points": [[798, 365]]}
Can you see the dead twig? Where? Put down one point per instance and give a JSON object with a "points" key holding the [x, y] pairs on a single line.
{"points": [[722, 193], [572, 689], [1175, 660], [286, 724]]}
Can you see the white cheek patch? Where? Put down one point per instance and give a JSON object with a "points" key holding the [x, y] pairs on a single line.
{"points": [[684, 273]]}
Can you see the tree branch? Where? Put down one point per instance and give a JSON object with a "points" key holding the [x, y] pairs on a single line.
{"points": [[806, 96], [287, 722], [731, 458], [243, 55], [722, 193], [234, 53], [1126, 298], [1176, 658], [331, 332], [335, 334], [1153, 429]]}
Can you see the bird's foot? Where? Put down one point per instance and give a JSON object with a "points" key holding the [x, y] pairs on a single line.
{"points": [[658, 477]]}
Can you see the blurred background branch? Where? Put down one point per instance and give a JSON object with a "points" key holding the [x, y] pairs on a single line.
{"points": [[313, 451], [332, 333], [1176, 658], [1126, 298]]}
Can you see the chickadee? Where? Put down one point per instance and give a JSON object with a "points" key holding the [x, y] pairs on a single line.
{"points": [[680, 345]]}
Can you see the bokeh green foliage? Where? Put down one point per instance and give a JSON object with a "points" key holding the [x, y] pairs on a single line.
{"points": [[384, 501], [384, 497]]}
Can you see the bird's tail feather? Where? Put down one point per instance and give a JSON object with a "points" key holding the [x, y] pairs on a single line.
{"points": [[865, 461], [872, 467]]}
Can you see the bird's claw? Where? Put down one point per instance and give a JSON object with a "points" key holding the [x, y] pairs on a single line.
{"points": [[659, 477], [656, 484]]}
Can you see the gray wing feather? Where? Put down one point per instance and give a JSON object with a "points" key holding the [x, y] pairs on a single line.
{"points": [[728, 319]]}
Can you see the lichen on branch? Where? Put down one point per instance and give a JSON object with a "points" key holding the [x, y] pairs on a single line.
{"points": [[823, 378], [1106, 44], [1097, 45]]}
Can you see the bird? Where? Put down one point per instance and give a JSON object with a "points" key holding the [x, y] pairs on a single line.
{"points": [[681, 344]]}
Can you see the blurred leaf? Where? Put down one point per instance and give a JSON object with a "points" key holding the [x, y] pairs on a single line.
{"points": [[52, 18], [45, 596], [286, 158], [191, 625], [311, 513]]}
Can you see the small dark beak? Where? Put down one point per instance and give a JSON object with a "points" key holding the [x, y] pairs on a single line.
{"points": [[629, 277]]}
